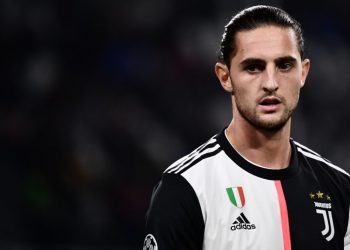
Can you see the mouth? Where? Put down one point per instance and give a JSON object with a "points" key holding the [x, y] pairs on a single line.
{"points": [[270, 104], [270, 101]]}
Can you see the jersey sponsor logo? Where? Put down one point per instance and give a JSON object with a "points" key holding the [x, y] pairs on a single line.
{"points": [[242, 223], [323, 206], [150, 243], [236, 196]]}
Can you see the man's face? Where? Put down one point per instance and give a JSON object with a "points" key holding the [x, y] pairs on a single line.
{"points": [[266, 75]]}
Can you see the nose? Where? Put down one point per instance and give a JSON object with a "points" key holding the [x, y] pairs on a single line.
{"points": [[270, 83]]}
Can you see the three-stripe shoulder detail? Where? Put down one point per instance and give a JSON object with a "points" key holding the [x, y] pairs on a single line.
{"points": [[313, 155], [305, 148], [208, 149]]}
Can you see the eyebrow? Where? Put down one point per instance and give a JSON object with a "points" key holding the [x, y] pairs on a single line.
{"points": [[250, 61], [289, 59]]}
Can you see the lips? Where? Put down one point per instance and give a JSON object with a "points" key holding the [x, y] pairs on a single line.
{"points": [[270, 104], [270, 101]]}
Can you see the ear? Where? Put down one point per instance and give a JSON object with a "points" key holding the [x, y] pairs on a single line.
{"points": [[223, 75], [305, 64]]}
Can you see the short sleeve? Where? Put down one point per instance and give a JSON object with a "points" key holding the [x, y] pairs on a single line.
{"points": [[174, 219], [347, 233], [347, 236]]}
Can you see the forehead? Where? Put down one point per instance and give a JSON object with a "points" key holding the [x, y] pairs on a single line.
{"points": [[267, 42]]}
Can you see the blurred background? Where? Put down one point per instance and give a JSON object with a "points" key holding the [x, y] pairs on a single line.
{"points": [[99, 97]]}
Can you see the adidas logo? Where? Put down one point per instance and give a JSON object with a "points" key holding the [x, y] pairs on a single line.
{"points": [[242, 223]]}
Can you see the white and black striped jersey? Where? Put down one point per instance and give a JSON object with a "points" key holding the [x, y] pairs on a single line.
{"points": [[214, 198]]}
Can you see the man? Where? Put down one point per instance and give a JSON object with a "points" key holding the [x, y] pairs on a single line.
{"points": [[251, 186]]}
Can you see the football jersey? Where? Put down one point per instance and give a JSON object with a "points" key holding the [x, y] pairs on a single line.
{"points": [[214, 198]]}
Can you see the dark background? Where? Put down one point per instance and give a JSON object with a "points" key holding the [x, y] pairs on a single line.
{"points": [[99, 97]]}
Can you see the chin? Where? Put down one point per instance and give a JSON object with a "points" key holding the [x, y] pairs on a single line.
{"points": [[271, 122], [270, 125]]}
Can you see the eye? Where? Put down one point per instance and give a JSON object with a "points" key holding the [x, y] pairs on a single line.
{"points": [[254, 68], [285, 66]]}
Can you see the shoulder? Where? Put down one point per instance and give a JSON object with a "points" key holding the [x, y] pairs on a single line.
{"points": [[172, 189], [316, 159], [174, 216], [207, 150], [176, 189]]}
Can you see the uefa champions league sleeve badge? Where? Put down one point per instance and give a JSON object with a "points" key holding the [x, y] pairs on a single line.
{"points": [[150, 243]]}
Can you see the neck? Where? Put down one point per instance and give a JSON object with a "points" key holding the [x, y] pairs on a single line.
{"points": [[269, 149]]}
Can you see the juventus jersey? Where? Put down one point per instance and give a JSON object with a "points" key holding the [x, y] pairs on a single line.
{"points": [[214, 198]]}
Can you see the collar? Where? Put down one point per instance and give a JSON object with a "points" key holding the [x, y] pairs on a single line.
{"points": [[255, 169]]}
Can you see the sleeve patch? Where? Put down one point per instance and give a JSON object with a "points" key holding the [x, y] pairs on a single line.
{"points": [[150, 243]]}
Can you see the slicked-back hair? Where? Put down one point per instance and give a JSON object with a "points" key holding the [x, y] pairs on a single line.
{"points": [[252, 18]]}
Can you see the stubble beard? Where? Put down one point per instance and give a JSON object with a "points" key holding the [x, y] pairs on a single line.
{"points": [[255, 120]]}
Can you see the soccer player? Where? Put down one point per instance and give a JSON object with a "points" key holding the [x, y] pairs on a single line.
{"points": [[251, 186]]}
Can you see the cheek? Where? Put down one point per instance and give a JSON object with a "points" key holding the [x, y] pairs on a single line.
{"points": [[293, 93], [245, 86], [245, 98], [292, 84]]}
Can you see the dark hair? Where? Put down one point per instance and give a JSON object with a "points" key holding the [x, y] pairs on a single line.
{"points": [[252, 18]]}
